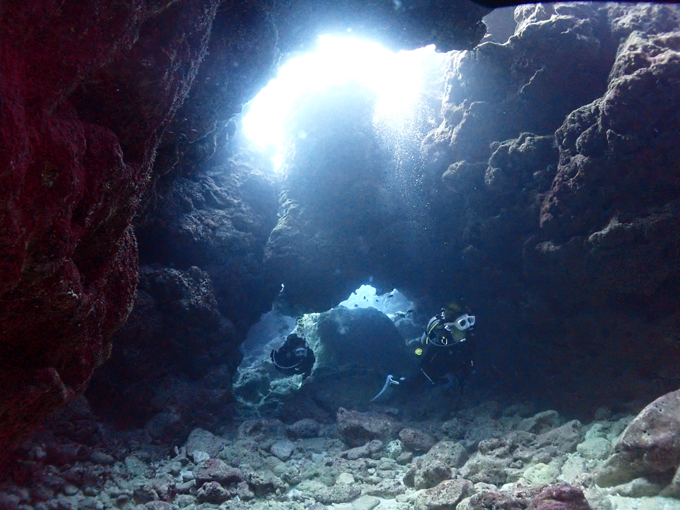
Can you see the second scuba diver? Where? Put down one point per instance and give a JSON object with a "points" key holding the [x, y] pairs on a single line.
{"points": [[447, 347], [294, 356]]}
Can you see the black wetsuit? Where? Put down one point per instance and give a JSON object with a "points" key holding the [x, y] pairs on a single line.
{"points": [[294, 357], [446, 352]]}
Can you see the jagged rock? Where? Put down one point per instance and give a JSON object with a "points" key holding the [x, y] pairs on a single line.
{"points": [[213, 492], [638, 488], [282, 449], [156, 505], [365, 503], [204, 441], [500, 460], [650, 445], [444, 496], [454, 429], [497, 500], [594, 448], [540, 423], [215, 470], [450, 452], [261, 429], [337, 494], [87, 100], [69, 256], [564, 438], [388, 488], [416, 440], [263, 483], [176, 334], [356, 429], [542, 474], [426, 473], [436, 465], [560, 497], [304, 428], [370, 449], [242, 452]]}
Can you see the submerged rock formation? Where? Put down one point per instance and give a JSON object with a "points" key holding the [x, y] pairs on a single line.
{"points": [[526, 462], [98, 101], [549, 197]]}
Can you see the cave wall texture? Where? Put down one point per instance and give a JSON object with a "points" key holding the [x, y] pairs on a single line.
{"points": [[550, 204], [103, 105]]}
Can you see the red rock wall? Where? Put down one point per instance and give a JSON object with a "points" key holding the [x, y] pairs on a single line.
{"points": [[87, 89]]}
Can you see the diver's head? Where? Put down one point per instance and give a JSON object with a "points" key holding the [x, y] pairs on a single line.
{"points": [[300, 352]]}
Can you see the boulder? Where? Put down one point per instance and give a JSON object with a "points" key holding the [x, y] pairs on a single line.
{"points": [[282, 449], [304, 428], [560, 497], [215, 470], [356, 429], [360, 338], [650, 445], [497, 500], [444, 496], [204, 441], [435, 466], [416, 440]]}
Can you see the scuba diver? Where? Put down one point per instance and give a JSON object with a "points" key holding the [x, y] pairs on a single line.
{"points": [[447, 346], [294, 356]]}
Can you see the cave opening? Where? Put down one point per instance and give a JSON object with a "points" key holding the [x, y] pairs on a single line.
{"points": [[394, 78]]}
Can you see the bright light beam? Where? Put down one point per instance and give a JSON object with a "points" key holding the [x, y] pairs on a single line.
{"points": [[395, 78]]}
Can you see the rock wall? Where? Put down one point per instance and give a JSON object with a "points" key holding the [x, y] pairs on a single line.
{"points": [[87, 90], [96, 107], [550, 203]]}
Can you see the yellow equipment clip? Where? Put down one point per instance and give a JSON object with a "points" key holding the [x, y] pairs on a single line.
{"points": [[419, 351]]}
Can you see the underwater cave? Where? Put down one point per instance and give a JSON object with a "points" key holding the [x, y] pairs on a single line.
{"points": [[412, 254]]}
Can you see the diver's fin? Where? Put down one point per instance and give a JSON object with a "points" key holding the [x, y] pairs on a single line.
{"points": [[388, 382]]}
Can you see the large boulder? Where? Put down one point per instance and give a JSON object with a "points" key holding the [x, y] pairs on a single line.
{"points": [[359, 339], [650, 445]]}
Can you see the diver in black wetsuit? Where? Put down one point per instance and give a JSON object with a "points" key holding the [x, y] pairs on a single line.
{"points": [[294, 356], [447, 346]]}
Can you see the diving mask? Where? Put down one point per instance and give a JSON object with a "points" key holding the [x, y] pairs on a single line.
{"points": [[464, 322]]}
